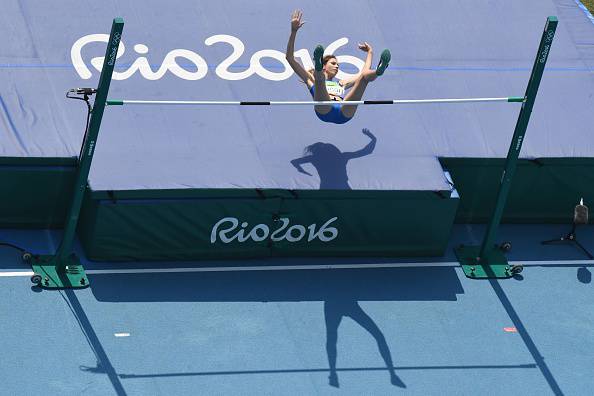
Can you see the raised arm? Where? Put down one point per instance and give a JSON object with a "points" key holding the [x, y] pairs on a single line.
{"points": [[300, 161], [365, 150], [347, 83], [296, 23]]}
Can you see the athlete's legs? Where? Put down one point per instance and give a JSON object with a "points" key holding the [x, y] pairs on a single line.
{"points": [[366, 76], [356, 93], [320, 92]]}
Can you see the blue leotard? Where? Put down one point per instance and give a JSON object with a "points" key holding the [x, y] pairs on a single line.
{"points": [[334, 116]]}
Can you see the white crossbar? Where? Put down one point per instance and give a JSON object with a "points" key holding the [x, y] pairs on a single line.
{"points": [[115, 102]]}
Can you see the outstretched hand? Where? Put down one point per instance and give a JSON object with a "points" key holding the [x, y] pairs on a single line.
{"points": [[296, 22], [368, 133], [297, 164], [365, 47]]}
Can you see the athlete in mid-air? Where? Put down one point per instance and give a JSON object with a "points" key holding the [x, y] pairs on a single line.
{"points": [[320, 80]]}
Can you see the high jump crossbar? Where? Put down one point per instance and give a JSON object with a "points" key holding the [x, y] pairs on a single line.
{"points": [[119, 102]]}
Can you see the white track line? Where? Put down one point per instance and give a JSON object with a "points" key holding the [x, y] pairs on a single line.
{"points": [[526, 263], [15, 273]]}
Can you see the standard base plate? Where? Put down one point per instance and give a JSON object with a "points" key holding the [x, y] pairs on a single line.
{"points": [[52, 274], [494, 265]]}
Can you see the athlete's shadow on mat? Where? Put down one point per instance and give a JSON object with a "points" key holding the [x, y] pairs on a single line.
{"points": [[331, 163]]}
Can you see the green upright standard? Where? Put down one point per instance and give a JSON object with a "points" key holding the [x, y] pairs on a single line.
{"points": [[488, 261], [64, 270]]}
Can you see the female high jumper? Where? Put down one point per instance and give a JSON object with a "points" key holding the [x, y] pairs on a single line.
{"points": [[320, 81]]}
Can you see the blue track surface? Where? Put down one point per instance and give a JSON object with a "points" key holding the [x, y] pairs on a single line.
{"points": [[265, 332]]}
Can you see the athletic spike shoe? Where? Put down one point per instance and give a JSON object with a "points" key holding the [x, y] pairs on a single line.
{"points": [[318, 55], [383, 63]]}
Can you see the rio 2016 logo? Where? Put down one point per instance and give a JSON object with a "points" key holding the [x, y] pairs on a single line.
{"points": [[226, 230], [198, 66]]}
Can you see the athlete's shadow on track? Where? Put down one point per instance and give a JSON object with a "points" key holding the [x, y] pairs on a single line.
{"points": [[343, 292], [339, 306], [331, 165]]}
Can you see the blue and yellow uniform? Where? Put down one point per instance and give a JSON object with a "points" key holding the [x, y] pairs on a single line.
{"points": [[335, 115]]}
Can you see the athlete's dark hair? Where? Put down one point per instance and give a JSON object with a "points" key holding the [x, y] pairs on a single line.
{"points": [[327, 58]]}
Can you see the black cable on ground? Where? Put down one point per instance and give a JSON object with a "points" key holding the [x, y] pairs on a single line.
{"points": [[13, 246]]}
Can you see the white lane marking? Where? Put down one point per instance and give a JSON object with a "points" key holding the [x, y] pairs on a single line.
{"points": [[122, 334], [525, 263], [16, 273]]}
